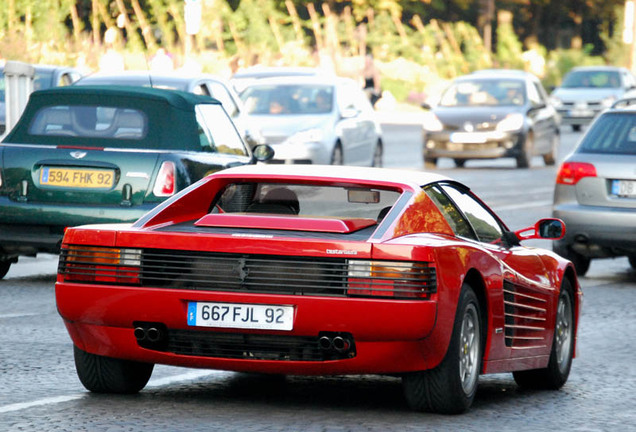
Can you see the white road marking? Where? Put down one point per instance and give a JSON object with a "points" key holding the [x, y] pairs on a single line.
{"points": [[19, 315], [159, 382]]}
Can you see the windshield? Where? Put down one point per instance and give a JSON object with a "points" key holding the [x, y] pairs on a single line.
{"points": [[484, 92], [592, 79], [288, 99]]}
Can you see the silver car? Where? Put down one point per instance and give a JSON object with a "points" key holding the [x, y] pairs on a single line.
{"points": [[314, 119], [588, 90], [595, 192]]}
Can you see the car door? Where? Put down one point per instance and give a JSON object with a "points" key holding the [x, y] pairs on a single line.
{"points": [[526, 292], [543, 117], [357, 130]]}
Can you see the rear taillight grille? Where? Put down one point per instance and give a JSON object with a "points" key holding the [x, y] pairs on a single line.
{"points": [[249, 273]]}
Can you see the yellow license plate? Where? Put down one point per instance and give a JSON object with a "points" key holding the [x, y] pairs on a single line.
{"points": [[80, 178]]}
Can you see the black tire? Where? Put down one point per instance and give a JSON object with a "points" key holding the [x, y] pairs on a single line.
{"points": [[336, 155], [459, 163], [5, 265], [551, 157], [450, 388], [101, 374], [581, 262], [632, 261], [556, 374], [377, 155], [576, 128], [430, 163], [525, 153]]}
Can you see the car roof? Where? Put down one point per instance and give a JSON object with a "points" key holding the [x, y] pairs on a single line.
{"points": [[598, 68], [302, 80], [176, 98], [145, 77], [271, 71], [366, 174]]}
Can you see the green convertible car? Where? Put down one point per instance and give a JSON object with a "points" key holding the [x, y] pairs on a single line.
{"points": [[81, 155]]}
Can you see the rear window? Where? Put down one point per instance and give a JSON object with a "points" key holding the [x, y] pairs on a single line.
{"points": [[612, 133], [305, 200], [90, 122]]}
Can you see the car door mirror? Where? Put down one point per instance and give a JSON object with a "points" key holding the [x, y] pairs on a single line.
{"points": [[349, 112], [547, 229], [263, 153]]}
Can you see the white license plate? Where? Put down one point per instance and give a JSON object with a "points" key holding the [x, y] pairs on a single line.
{"points": [[581, 113], [240, 315], [624, 188], [468, 137]]}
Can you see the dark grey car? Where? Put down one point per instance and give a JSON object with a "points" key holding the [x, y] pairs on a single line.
{"points": [[491, 114], [595, 192]]}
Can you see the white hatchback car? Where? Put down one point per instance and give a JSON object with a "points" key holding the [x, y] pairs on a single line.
{"points": [[314, 119]]}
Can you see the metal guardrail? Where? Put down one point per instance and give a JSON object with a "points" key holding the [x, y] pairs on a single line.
{"points": [[18, 78]]}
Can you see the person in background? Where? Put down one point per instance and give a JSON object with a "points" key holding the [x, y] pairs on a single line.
{"points": [[371, 76]]}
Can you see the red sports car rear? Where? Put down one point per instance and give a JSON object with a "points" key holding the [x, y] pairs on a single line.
{"points": [[286, 270]]}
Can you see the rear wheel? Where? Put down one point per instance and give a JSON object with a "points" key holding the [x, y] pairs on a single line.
{"points": [[581, 262], [556, 374], [576, 128], [5, 265], [459, 163], [632, 260], [101, 374], [450, 387]]}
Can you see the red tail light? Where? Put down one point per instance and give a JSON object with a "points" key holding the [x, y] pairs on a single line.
{"points": [[392, 279], [96, 264], [165, 184], [571, 172]]}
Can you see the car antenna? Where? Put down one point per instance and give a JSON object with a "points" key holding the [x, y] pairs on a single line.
{"points": [[148, 68]]}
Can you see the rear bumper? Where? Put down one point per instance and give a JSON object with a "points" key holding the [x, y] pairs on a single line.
{"points": [[389, 336], [597, 232], [28, 228]]}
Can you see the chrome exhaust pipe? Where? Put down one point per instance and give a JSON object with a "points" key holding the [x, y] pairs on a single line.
{"points": [[153, 334], [341, 344], [325, 343], [140, 333]]}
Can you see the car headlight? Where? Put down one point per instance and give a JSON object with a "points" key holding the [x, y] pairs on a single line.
{"points": [[556, 102], [431, 122], [608, 101], [309, 135], [512, 122]]}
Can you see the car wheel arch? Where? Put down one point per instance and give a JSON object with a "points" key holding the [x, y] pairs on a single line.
{"points": [[477, 283]]}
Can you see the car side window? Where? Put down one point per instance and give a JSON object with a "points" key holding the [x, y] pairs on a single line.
{"points": [[220, 93], [451, 213], [486, 226], [534, 95]]}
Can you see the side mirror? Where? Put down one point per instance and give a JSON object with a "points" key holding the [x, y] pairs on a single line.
{"points": [[263, 153], [549, 229], [425, 106], [349, 112]]}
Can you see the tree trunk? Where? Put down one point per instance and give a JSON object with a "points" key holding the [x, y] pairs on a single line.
{"points": [[146, 31]]}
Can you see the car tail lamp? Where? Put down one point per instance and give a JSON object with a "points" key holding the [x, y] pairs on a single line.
{"points": [[571, 172], [165, 184], [392, 279], [100, 265]]}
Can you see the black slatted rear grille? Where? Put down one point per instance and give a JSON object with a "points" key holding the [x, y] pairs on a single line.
{"points": [[190, 270], [245, 346]]}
